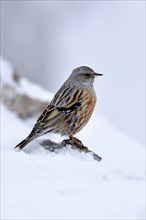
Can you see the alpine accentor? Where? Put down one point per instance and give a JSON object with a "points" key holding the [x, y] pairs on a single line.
{"points": [[70, 109]]}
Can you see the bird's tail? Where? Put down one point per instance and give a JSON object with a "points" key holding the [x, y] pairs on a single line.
{"points": [[23, 143]]}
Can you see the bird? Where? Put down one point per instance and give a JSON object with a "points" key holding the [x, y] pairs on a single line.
{"points": [[70, 109]]}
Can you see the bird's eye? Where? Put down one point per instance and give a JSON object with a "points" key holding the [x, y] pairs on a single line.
{"points": [[87, 75]]}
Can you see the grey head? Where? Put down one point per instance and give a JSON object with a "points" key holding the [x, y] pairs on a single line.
{"points": [[84, 75]]}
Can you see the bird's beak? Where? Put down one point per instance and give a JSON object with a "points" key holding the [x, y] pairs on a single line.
{"points": [[97, 74]]}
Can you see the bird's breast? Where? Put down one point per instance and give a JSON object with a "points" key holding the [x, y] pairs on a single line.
{"points": [[79, 118], [86, 109]]}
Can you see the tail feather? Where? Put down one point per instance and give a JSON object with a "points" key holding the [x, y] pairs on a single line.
{"points": [[23, 143]]}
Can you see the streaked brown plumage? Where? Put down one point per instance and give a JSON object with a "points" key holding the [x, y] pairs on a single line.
{"points": [[70, 109]]}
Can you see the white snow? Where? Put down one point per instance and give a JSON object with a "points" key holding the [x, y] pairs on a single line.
{"points": [[32, 90], [6, 72], [24, 86], [37, 184]]}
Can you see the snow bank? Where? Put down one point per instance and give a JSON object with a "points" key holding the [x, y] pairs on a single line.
{"points": [[37, 184], [24, 86]]}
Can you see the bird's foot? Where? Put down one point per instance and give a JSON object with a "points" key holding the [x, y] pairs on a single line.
{"points": [[75, 142]]}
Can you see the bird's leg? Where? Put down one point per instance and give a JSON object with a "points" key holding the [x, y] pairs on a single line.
{"points": [[74, 141]]}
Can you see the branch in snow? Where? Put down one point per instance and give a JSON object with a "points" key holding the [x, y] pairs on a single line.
{"points": [[24, 106], [55, 147], [19, 95]]}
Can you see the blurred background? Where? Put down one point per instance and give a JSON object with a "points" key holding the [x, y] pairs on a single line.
{"points": [[46, 40]]}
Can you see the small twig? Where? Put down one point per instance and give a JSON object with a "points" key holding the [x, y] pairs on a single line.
{"points": [[54, 147]]}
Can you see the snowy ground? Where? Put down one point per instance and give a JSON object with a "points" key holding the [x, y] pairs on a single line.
{"points": [[37, 184]]}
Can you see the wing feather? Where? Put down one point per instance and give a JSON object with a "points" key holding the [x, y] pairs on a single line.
{"points": [[66, 100]]}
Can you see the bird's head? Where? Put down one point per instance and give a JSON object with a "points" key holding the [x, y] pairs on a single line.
{"points": [[84, 75]]}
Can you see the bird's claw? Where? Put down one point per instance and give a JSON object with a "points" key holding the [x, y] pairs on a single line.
{"points": [[75, 142]]}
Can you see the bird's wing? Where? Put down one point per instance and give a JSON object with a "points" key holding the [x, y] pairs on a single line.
{"points": [[66, 100], [68, 95]]}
